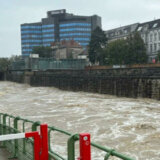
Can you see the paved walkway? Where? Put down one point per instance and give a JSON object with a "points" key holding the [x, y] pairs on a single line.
{"points": [[4, 155]]}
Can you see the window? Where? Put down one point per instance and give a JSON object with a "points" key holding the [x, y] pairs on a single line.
{"points": [[75, 29], [31, 40], [151, 47], [31, 31], [125, 31], [139, 28], [155, 36], [48, 35], [30, 27], [48, 40], [155, 25], [151, 37], [159, 36], [75, 24], [48, 26], [155, 47], [74, 34], [47, 30]]}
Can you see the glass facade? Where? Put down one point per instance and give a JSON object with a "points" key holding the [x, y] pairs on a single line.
{"points": [[36, 35], [77, 31]]}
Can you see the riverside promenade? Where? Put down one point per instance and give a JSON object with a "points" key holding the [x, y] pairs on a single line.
{"points": [[4, 155]]}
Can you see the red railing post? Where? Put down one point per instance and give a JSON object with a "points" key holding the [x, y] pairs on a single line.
{"points": [[44, 142], [85, 146], [37, 146]]}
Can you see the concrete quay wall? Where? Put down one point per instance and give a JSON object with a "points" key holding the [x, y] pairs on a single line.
{"points": [[127, 82]]}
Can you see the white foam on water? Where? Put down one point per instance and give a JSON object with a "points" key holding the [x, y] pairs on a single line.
{"points": [[129, 125]]}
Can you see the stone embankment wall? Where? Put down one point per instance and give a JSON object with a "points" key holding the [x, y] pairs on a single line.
{"points": [[1, 76], [139, 82]]}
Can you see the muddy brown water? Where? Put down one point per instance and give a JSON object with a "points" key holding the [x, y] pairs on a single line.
{"points": [[130, 126]]}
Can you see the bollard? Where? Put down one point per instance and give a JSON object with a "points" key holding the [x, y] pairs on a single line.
{"points": [[85, 146]]}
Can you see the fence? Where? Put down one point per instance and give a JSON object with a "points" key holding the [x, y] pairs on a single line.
{"points": [[23, 149], [47, 64]]}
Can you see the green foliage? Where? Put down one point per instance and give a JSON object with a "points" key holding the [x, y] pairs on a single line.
{"points": [[136, 50], [115, 52], [96, 45], [129, 51], [44, 52], [158, 57], [4, 63]]}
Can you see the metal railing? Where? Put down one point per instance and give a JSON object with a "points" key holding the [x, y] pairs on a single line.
{"points": [[23, 149]]}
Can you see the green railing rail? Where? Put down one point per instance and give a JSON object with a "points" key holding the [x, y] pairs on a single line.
{"points": [[23, 149]]}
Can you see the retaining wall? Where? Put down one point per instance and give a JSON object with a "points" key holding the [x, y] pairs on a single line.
{"points": [[127, 82]]}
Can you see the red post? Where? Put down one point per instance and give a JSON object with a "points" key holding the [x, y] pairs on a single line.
{"points": [[37, 146], [85, 146], [44, 142]]}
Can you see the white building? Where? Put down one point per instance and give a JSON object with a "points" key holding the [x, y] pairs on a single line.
{"points": [[149, 31]]}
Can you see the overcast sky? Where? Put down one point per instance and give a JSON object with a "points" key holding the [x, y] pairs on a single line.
{"points": [[114, 13]]}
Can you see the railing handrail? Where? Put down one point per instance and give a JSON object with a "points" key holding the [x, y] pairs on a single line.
{"points": [[109, 152]]}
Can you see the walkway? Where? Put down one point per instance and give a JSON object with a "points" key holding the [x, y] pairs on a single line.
{"points": [[4, 155]]}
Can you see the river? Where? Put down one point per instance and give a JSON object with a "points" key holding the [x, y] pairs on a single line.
{"points": [[130, 126]]}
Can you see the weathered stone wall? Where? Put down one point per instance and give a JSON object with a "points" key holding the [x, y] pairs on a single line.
{"points": [[1, 76], [141, 82]]}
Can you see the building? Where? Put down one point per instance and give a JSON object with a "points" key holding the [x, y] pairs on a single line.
{"points": [[121, 32], [58, 26], [69, 49], [149, 31]]}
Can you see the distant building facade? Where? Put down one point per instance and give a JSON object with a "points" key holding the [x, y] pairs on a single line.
{"points": [[58, 26], [149, 31], [69, 49]]}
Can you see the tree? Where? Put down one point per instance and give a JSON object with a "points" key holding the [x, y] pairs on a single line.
{"points": [[158, 57], [115, 52], [4, 63], [136, 53], [129, 51], [97, 43], [44, 52]]}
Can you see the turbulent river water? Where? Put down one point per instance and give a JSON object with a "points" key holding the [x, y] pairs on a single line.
{"points": [[130, 126]]}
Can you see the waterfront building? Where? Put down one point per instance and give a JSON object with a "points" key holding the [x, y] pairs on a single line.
{"points": [[67, 50], [58, 26], [149, 31]]}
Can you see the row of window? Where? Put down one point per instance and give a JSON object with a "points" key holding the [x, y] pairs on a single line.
{"points": [[74, 24], [74, 34], [52, 30], [31, 31], [31, 36], [75, 29], [76, 39], [48, 35], [31, 27], [48, 40], [48, 26], [47, 30], [154, 47], [154, 37], [30, 45], [37, 36], [31, 40], [145, 27], [27, 50], [37, 26]]}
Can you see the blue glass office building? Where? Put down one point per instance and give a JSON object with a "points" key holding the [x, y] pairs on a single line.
{"points": [[58, 26]]}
